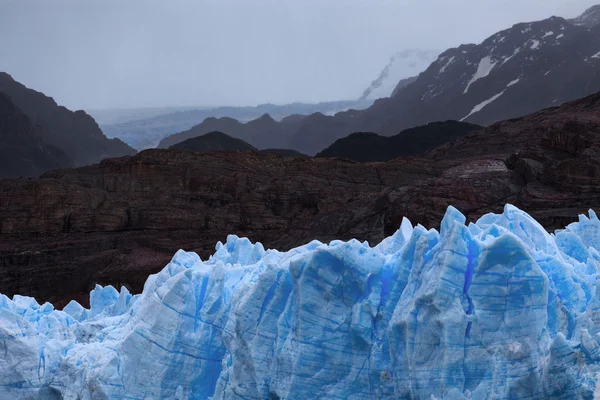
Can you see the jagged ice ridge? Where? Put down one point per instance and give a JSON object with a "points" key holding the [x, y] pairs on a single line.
{"points": [[497, 309]]}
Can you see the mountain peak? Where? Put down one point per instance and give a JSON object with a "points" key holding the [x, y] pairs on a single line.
{"points": [[590, 18]]}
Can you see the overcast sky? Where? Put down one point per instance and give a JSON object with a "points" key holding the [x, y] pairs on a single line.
{"points": [[146, 53]]}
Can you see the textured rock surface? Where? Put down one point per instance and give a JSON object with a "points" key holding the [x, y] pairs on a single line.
{"points": [[498, 309], [122, 219], [116, 222]]}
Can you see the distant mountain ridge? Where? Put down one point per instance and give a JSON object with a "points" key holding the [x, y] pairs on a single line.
{"points": [[262, 133], [148, 132], [75, 133]]}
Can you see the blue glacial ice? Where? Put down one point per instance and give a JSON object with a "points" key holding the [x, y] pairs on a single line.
{"points": [[495, 309]]}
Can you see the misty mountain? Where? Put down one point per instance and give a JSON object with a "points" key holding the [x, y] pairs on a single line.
{"points": [[517, 71], [403, 66], [75, 133], [148, 132], [22, 150], [368, 146]]}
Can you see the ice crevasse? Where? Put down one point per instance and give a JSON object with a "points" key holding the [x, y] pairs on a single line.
{"points": [[497, 309]]}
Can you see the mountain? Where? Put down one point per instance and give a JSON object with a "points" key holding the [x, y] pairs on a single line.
{"points": [[212, 141], [22, 149], [75, 133], [402, 65], [512, 73], [148, 132], [368, 146], [119, 221]]}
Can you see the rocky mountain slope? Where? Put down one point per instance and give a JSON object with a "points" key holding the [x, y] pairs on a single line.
{"points": [[403, 66], [368, 147], [75, 133], [22, 149], [124, 218], [512, 73]]}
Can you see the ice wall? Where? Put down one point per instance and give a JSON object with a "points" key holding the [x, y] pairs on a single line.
{"points": [[497, 309]]}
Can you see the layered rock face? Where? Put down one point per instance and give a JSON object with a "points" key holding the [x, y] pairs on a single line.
{"points": [[120, 220], [494, 309]]}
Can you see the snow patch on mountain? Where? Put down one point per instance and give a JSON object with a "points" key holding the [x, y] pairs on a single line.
{"points": [[450, 61], [402, 65], [485, 67], [489, 101], [483, 104]]}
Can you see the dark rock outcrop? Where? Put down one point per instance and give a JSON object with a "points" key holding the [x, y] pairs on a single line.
{"points": [[23, 152], [368, 147], [75, 133], [118, 221], [213, 141]]}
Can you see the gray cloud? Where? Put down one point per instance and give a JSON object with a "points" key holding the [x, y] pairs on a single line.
{"points": [[142, 53]]}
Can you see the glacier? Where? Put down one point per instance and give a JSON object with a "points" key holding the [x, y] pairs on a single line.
{"points": [[497, 309]]}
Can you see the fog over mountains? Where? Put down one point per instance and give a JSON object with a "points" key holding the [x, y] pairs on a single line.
{"points": [[151, 53]]}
